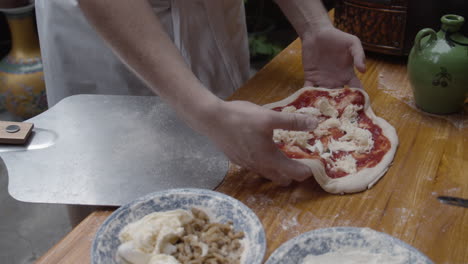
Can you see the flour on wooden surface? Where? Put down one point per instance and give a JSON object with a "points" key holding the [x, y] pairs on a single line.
{"points": [[402, 91]]}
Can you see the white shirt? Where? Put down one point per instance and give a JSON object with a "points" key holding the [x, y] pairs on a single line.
{"points": [[210, 34]]}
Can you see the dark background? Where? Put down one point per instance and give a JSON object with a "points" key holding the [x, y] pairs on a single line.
{"points": [[253, 7], [427, 13], [4, 36]]}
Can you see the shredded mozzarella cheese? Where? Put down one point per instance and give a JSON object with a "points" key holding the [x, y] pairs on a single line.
{"points": [[346, 163], [299, 138], [289, 109], [323, 104]]}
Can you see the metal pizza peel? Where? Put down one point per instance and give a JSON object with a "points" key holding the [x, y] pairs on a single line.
{"points": [[108, 150]]}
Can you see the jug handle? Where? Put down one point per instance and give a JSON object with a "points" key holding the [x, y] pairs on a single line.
{"points": [[423, 33]]}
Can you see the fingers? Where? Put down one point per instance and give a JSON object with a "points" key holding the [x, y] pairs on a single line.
{"points": [[358, 55], [325, 83], [355, 82], [283, 170], [296, 122], [308, 83], [294, 169], [277, 178]]}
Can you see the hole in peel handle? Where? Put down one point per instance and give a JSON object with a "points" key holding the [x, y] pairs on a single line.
{"points": [[39, 139], [15, 133], [423, 33]]}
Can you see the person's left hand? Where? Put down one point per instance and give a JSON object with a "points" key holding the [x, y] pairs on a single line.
{"points": [[329, 56]]}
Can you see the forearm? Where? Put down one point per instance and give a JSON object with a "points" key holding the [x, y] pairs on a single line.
{"points": [[305, 15], [138, 38], [242, 130]]}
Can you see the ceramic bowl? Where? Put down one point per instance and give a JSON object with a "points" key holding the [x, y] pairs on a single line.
{"points": [[219, 207], [336, 239]]}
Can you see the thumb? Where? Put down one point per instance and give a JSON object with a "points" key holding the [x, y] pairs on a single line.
{"points": [[294, 121], [286, 169], [355, 83], [294, 169], [358, 55]]}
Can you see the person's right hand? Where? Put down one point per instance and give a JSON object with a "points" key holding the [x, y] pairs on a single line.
{"points": [[244, 133], [329, 56]]}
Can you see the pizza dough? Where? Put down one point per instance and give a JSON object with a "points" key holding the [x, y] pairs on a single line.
{"points": [[348, 137]]}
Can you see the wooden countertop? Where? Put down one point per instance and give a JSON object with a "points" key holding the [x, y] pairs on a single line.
{"points": [[431, 160]]}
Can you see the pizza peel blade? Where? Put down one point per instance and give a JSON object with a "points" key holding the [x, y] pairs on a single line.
{"points": [[109, 150]]}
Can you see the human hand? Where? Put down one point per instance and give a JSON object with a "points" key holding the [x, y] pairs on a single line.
{"points": [[329, 56], [244, 133]]}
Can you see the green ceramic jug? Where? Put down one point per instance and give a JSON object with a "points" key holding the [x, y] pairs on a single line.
{"points": [[438, 67]]}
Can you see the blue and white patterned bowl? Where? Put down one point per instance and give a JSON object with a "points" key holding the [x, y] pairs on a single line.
{"points": [[220, 208], [322, 241]]}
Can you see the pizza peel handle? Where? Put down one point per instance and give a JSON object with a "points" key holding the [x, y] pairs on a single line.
{"points": [[15, 132]]}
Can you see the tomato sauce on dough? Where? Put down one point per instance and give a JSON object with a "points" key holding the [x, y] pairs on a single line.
{"points": [[341, 100]]}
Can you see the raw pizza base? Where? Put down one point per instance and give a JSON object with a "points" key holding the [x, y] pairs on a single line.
{"points": [[363, 179]]}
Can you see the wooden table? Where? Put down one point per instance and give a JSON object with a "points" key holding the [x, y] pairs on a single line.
{"points": [[432, 160]]}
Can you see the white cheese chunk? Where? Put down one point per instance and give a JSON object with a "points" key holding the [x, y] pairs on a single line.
{"points": [[334, 93], [289, 109], [309, 111], [299, 138], [326, 155], [346, 164], [322, 128], [346, 101], [350, 112], [362, 138], [323, 104], [335, 146], [317, 147], [151, 237], [163, 259]]}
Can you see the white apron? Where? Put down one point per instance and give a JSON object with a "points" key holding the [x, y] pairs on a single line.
{"points": [[210, 34]]}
